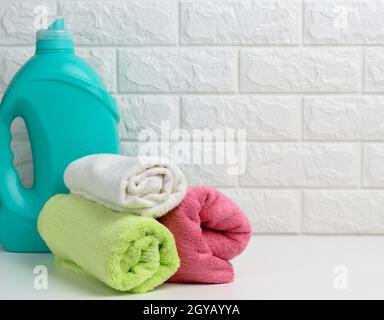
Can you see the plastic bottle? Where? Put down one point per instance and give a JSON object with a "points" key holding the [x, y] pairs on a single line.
{"points": [[68, 114]]}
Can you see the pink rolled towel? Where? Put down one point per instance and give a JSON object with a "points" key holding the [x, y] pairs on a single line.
{"points": [[209, 230]]}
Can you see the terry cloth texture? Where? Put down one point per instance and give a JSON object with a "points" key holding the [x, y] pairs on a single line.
{"points": [[143, 185], [209, 230], [126, 251]]}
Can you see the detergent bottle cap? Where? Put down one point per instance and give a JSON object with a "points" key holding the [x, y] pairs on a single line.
{"points": [[56, 37]]}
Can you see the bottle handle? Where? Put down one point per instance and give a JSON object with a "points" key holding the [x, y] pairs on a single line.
{"points": [[13, 195]]}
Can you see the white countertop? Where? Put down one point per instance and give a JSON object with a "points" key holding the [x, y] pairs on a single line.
{"points": [[272, 267]]}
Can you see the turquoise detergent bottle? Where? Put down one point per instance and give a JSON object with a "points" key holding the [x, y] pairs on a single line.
{"points": [[68, 114]]}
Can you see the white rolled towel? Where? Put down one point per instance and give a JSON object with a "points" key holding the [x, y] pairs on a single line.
{"points": [[144, 186]]}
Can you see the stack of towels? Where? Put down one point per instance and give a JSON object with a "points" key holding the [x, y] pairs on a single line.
{"points": [[133, 223]]}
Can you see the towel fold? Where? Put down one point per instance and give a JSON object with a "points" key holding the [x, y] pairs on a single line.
{"points": [[126, 251], [209, 230], [137, 185]]}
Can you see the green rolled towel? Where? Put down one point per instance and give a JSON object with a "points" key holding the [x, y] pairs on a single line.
{"points": [[130, 253]]}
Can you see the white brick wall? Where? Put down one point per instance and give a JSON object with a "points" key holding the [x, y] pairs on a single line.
{"points": [[177, 70], [286, 70], [305, 78]]}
